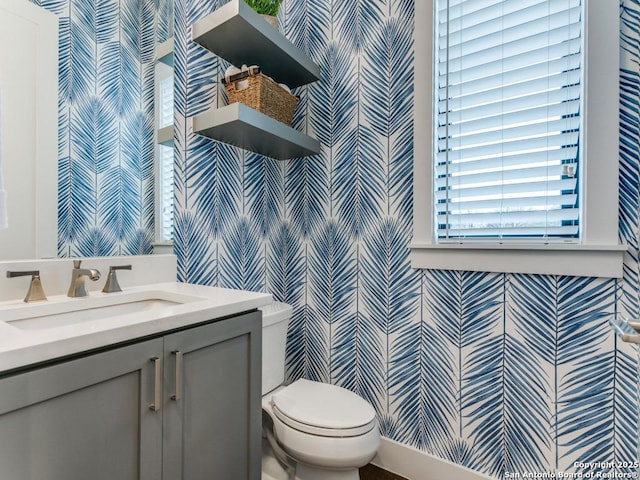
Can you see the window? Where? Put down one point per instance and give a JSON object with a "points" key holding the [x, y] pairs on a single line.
{"points": [[164, 154], [508, 119], [520, 173]]}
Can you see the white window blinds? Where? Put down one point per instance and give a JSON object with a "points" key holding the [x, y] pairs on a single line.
{"points": [[508, 102], [165, 158]]}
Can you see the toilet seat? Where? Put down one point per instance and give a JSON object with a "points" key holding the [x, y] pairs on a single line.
{"points": [[322, 409]]}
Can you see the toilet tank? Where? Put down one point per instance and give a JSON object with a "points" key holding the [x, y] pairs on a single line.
{"points": [[275, 320]]}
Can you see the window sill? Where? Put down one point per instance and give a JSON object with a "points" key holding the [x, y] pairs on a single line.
{"points": [[162, 248], [573, 260]]}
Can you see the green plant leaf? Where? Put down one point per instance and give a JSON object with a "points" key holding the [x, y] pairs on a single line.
{"points": [[264, 7]]}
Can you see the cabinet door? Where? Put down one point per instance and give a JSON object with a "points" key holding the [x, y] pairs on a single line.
{"points": [[212, 409], [87, 418]]}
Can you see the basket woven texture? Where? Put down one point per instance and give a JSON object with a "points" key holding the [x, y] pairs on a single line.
{"points": [[263, 94]]}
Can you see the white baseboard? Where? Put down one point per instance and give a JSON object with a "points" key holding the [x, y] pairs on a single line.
{"points": [[413, 464]]}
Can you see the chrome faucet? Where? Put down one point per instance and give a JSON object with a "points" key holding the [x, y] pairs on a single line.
{"points": [[35, 291], [77, 287]]}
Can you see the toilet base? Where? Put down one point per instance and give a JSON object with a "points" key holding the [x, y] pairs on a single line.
{"points": [[306, 472], [274, 468]]}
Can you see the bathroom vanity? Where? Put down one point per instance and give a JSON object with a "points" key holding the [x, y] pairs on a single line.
{"points": [[172, 392]]}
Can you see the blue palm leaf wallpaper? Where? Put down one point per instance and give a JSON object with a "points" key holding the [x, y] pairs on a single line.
{"points": [[357, 21], [334, 99], [388, 64], [332, 272], [308, 346], [356, 364], [214, 187], [499, 421], [422, 357], [499, 373], [105, 125], [307, 193], [285, 265], [359, 180], [240, 261], [196, 259], [264, 193]]}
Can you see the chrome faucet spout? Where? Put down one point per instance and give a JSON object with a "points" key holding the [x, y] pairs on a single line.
{"points": [[92, 273], [77, 287]]}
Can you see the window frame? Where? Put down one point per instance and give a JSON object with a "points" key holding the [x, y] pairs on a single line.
{"points": [[161, 244], [599, 253]]}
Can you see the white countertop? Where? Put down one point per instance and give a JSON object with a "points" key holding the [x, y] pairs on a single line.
{"points": [[22, 347]]}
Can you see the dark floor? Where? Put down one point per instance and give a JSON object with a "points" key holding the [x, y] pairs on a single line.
{"points": [[371, 472]]}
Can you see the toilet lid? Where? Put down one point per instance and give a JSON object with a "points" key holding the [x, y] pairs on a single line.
{"points": [[323, 409]]}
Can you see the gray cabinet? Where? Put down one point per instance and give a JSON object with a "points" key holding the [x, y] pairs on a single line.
{"points": [[183, 406], [84, 418], [212, 414]]}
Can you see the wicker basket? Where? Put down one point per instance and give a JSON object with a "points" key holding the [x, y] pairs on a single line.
{"points": [[261, 93]]}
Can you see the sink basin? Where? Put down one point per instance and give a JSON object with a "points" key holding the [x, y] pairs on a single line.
{"points": [[71, 311]]}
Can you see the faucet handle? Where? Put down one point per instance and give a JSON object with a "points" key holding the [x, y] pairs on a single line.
{"points": [[35, 292], [77, 263], [112, 285]]}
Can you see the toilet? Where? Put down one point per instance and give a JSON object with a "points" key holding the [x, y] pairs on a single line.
{"points": [[326, 432]]}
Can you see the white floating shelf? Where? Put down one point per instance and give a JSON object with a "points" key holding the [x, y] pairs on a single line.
{"points": [[239, 35], [244, 127], [164, 52], [165, 136]]}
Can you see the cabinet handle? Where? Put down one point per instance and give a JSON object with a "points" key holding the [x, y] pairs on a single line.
{"points": [[156, 388], [178, 355]]}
